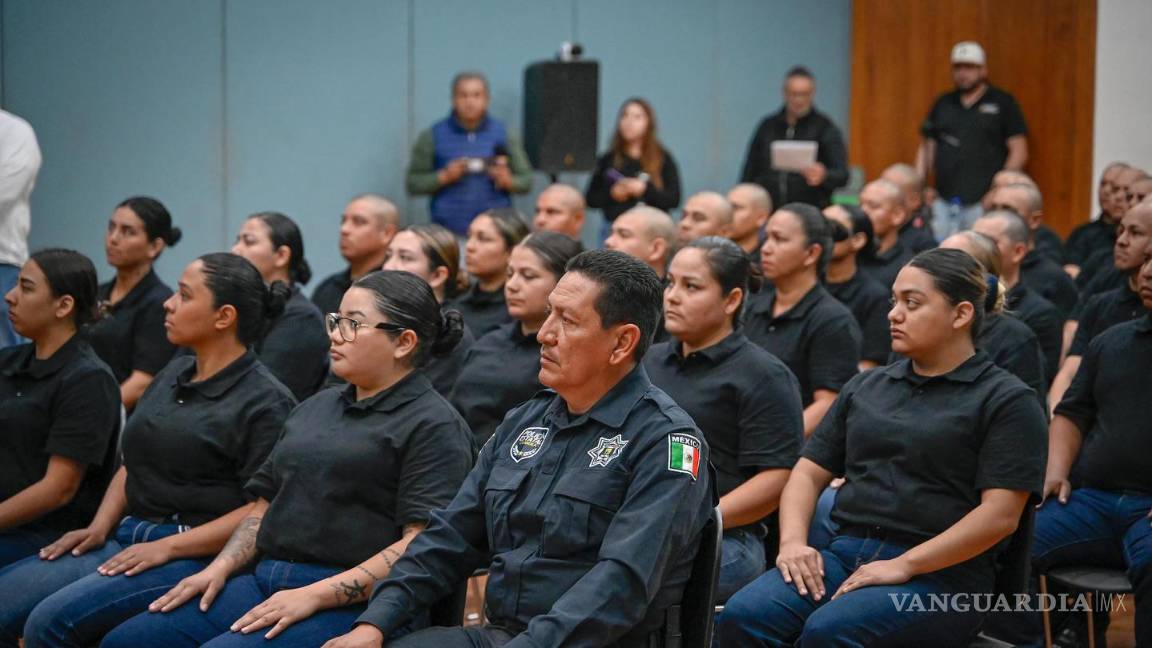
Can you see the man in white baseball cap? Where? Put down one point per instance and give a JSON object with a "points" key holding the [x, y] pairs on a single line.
{"points": [[969, 134]]}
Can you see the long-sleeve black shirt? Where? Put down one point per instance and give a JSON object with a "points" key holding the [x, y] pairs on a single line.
{"points": [[786, 186]]}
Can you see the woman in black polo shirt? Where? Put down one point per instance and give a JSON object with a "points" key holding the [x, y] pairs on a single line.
{"points": [[746, 402], [501, 370], [432, 253], [799, 322], [202, 428], [59, 408], [130, 337], [863, 295], [357, 468], [294, 347], [491, 237], [941, 452]]}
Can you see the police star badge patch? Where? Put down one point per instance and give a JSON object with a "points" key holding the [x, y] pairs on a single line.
{"points": [[528, 443], [606, 451]]}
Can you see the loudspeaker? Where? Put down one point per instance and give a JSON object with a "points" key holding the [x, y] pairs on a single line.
{"points": [[561, 113]]}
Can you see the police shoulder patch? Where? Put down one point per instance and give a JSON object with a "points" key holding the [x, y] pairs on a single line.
{"points": [[684, 454], [528, 444]]}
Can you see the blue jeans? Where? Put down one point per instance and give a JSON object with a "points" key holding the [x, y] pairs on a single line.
{"points": [[741, 561], [188, 626], [28, 582], [8, 335], [769, 612], [946, 221], [1095, 527], [21, 542]]}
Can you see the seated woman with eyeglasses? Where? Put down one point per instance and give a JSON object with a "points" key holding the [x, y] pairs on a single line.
{"points": [[357, 468]]}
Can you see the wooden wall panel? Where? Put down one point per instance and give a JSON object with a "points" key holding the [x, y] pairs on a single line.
{"points": [[1042, 51]]}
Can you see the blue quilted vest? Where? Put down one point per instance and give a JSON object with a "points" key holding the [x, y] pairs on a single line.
{"points": [[454, 206]]}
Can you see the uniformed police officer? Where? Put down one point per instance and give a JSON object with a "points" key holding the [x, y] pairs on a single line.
{"points": [[588, 502]]}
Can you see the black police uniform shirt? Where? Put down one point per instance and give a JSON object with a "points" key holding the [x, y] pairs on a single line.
{"points": [[191, 446], [1044, 320], [917, 451], [346, 476], [295, 348], [884, 266], [483, 310], [1101, 313], [66, 405], [1088, 238], [744, 400], [1049, 280], [818, 339], [869, 302], [588, 523], [445, 370], [500, 371], [328, 295], [1108, 401], [131, 336], [971, 141]]}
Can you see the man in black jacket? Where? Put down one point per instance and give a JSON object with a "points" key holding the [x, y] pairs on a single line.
{"points": [[798, 120]]}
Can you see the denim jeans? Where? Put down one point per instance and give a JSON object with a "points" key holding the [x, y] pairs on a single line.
{"points": [[24, 541], [8, 335], [769, 612], [188, 626], [741, 561], [28, 582], [946, 221]]}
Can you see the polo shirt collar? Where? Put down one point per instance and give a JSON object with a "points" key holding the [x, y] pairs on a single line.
{"points": [[516, 334], [39, 369], [1017, 294], [968, 371], [802, 307], [219, 384], [146, 283], [407, 390], [893, 252], [613, 408], [477, 296], [714, 354]]}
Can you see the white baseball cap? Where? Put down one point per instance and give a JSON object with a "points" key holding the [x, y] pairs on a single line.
{"points": [[968, 52]]}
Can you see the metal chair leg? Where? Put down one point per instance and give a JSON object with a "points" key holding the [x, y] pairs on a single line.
{"points": [[1044, 612]]}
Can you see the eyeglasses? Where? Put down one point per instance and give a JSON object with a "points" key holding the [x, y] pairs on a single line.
{"points": [[349, 326]]}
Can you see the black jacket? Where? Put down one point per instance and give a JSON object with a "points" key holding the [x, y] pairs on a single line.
{"points": [[784, 186]]}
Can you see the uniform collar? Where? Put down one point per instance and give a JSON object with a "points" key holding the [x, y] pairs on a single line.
{"points": [[478, 296], [613, 408], [217, 385], [968, 372], [407, 390], [714, 354], [893, 252], [516, 334], [146, 283], [38, 369], [798, 311]]}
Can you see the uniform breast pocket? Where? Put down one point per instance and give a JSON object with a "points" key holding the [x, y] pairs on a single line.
{"points": [[580, 510], [499, 495]]}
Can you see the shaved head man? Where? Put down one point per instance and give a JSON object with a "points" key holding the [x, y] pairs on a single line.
{"points": [[916, 232], [367, 226], [884, 203], [1100, 233], [645, 233], [705, 214], [560, 208], [751, 207]]}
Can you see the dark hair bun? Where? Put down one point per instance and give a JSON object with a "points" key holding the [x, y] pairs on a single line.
{"points": [[451, 331], [174, 236], [275, 299], [303, 272], [755, 278]]}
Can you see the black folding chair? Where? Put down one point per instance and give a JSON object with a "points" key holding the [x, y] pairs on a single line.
{"points": [[691, 623]]}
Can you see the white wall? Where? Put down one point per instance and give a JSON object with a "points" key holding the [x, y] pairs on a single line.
{"points": [[1123, 87]]}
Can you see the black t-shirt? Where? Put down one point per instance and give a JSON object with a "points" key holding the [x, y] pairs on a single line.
{"points": [[295, 348], [599, 196], [971, 142], [347, 475], [818, 339], [330, 292], [1049, 280], [1088, 238], [131, 336], [884, 266], [190, 447], [1108, 401], [744, 400], [500, 371], [869, 303], [66, 405], [1044, 320], [917, 451], [483, 311], [1101, 313]]}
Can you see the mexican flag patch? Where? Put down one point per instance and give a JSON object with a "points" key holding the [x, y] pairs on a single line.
{"points": [[684, 454]]}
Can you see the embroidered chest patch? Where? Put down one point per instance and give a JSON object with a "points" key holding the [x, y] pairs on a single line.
{"points": [[528, 444], [606, 451]]}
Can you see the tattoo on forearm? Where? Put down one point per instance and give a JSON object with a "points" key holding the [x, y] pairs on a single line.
{"points": [[347, 594], [364, 569], [241, 547]]}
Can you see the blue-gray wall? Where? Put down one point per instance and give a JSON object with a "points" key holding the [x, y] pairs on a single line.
{"points": [[225, 107]]}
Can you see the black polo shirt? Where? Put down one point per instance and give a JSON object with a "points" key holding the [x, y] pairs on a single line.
{"points": [[347, 475], [1044, 320], [328, 295], [744, 400], [1108, 402], [917, 451], [131, 336], [916, 234], [1105, 279], [588, 523], [818, 339], [1049, 280], [482, 310], [499, 372], [1088, 238], [444, 371], [295, 348], [66, 405], [971, 141], [1097, 263], [1102, 312], [1013, 346], [869, 303], [886, 265], [191, 446], [1048, 243]]}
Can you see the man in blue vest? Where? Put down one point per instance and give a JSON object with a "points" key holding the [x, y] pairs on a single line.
{"points": [[468, 162]]}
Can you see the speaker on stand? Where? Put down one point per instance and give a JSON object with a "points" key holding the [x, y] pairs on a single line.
{"points": [[561, 114]]}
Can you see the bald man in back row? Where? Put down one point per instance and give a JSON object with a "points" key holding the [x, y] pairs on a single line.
{"points": [[367, 226], [560, 208], [645, 233], [916, 232], [706, 213], [751, 207]]}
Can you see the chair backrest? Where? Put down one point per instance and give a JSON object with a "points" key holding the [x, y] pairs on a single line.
{"points": [[1015, 565], [698, 607]]}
